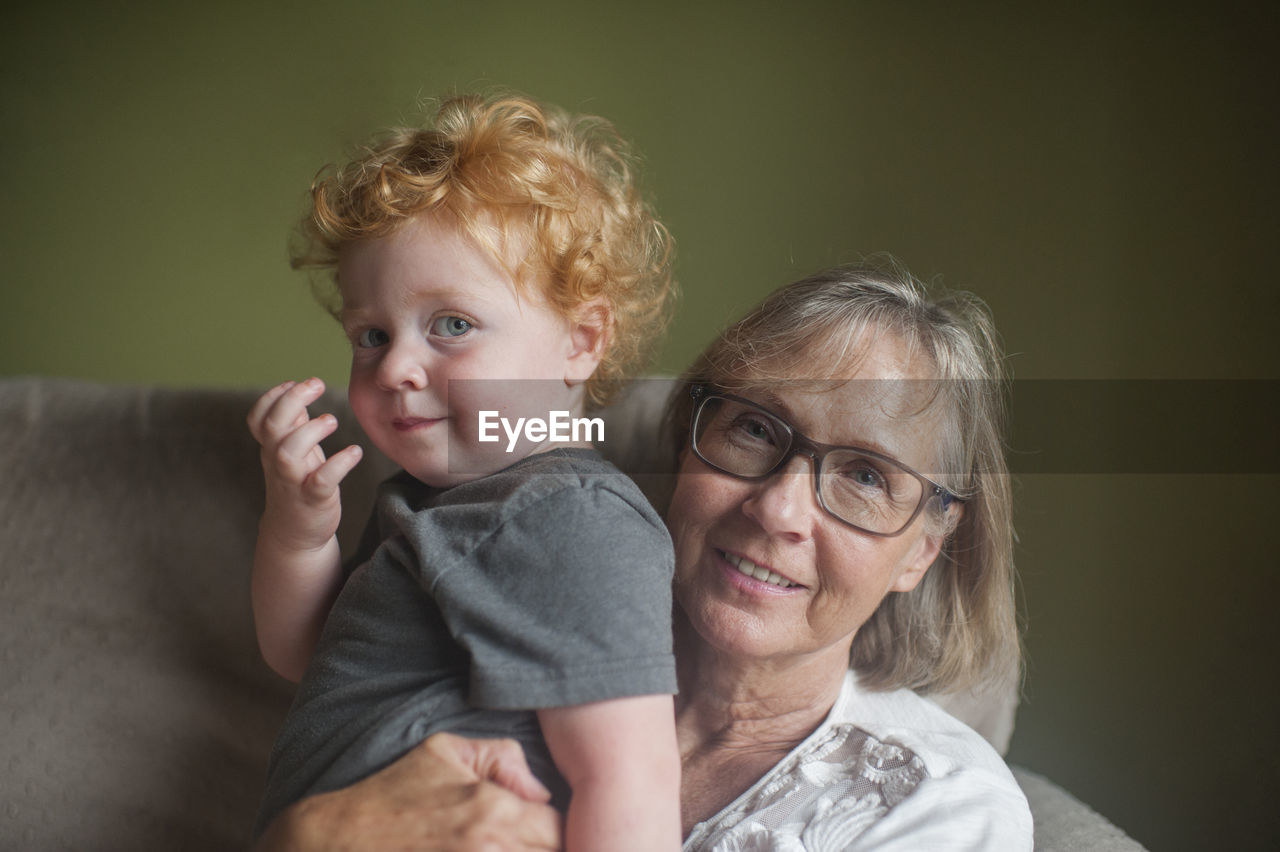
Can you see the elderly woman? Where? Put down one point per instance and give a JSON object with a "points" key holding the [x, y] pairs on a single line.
{"points": [[841, 521]]}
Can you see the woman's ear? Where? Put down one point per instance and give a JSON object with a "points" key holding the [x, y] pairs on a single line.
{"points": [[590, 331], [917, 563], [926, 551]]}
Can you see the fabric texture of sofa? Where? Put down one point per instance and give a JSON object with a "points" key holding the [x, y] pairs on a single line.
{"points": [[137, 713]]}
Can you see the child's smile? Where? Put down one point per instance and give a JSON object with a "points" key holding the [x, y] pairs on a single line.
{"points": [[413, 424], [440, 331]]}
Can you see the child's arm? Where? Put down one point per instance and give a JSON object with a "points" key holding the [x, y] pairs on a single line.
{"points": [[297, 570], [622, 763]]}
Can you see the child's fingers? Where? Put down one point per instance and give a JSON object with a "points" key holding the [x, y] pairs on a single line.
{"points": [[322, 484], [260, 408], [289, 410], [299, 452]]}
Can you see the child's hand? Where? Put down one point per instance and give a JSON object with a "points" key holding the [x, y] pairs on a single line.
{"points": [[303, 504]]}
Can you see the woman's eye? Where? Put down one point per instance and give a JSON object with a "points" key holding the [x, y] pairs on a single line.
{"points": [[450, 326], [866, 477], [755, 428], [371, 338]]}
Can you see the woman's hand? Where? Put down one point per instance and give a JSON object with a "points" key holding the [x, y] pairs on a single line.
{"points": [[449, 793]]}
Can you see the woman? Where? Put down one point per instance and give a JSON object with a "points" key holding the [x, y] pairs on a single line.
{"points": [[841, 521]]}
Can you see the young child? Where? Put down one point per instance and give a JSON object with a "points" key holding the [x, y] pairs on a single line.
{"points": [[497, 266]]}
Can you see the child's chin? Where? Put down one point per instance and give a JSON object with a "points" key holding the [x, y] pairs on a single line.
{"points": [[439, 479], [462, 471]]}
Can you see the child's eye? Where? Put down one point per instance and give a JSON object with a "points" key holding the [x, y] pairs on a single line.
{"points": [[450, 326], [372, 338]]}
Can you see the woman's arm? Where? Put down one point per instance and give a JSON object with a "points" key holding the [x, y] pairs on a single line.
{"points": [[449, 793], [623, 765]]}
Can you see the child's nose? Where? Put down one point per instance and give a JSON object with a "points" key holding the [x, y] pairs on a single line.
{"points": [[402, 368]]}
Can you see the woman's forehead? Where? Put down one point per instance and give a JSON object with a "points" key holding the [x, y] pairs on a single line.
{"points": [[880, 395], [854, 404], [875, 364], [835, 353]]}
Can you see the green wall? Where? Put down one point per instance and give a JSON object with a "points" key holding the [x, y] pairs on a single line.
{"points": [[1104, 175]]}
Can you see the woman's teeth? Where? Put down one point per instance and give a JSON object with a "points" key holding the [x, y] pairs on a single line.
{"points": [[751, 569]]}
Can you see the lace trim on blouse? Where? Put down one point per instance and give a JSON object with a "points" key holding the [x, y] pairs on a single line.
{"points": [[820, 797]]}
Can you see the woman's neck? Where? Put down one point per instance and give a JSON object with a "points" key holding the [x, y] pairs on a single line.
{"points": [[736, 718], [731, 692]]}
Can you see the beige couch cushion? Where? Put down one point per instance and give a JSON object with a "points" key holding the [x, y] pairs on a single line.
{"points": [[140, 713]]}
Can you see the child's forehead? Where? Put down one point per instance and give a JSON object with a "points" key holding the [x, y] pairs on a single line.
{"points": [[424, 253], [409, 295], [505, 237], [434, 260]]}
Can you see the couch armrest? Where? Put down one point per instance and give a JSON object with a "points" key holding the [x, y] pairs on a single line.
{"points": [[1063, 823]]}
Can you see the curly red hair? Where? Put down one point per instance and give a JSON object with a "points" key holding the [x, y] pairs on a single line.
{"points": [[559, 186]]}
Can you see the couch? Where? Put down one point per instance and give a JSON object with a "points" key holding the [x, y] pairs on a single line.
{"points": [[136, 711]]}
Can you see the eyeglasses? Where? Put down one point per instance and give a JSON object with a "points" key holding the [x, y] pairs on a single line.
{"points": [[861, 488]]}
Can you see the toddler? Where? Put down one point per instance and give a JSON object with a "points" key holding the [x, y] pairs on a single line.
{"points": [[494, 270]]}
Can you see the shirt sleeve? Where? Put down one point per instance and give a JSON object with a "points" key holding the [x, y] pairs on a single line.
{"points": [[968, 809], [567, 602]]}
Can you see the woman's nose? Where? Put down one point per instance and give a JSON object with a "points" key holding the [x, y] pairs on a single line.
{"points": [[785, 504], [403, 367]]}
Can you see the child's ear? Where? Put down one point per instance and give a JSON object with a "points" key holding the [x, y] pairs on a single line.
{"points": [[590, 331]]}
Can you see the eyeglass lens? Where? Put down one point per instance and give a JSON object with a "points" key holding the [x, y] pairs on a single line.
{"points": [[863, 489]]}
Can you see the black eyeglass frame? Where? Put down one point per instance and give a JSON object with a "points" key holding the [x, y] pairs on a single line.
{"points": [[800, 444]]}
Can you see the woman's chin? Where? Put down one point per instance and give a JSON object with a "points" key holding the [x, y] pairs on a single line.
{"points": [[730, 629]]}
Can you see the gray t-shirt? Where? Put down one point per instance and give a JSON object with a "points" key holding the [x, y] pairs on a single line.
{"points": [[546, 584]]}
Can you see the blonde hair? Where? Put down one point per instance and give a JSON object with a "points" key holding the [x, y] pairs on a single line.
{"points": [[515, 174], [958, 628]]}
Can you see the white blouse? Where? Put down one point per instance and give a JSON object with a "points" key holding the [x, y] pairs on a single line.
{"points": [[884, 771]]}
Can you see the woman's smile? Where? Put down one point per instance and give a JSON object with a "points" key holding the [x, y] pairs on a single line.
{"points": [[748, 570]]}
